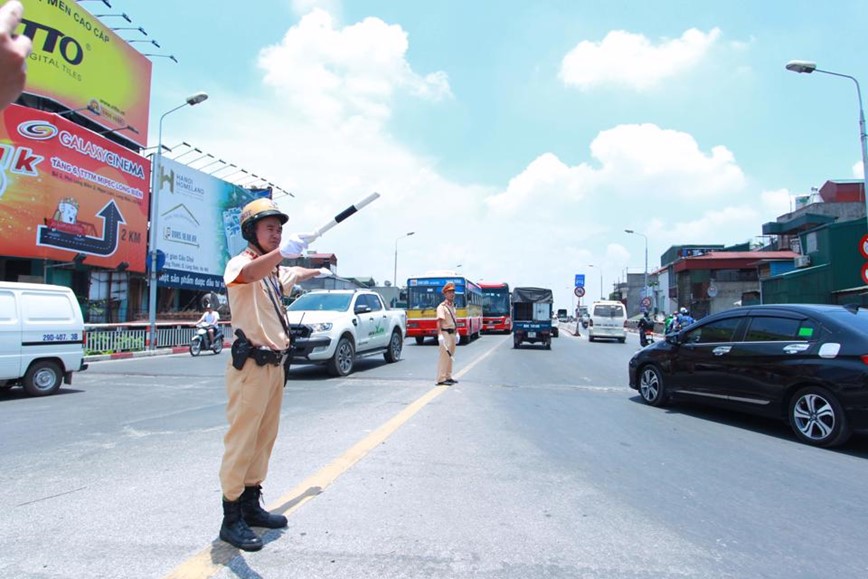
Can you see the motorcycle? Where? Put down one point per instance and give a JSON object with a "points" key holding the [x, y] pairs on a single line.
{"points": [[201, 340], [649, 337]]}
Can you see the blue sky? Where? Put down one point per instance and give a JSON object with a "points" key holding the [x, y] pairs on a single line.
{"points": [[517, 139]]}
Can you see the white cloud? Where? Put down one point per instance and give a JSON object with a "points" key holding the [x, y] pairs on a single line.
{"points": [[633, 161], [333, 74], [776, 202], [631, 60]]}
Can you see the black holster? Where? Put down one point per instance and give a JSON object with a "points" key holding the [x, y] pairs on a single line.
{"points": [[286, 364], [241, 349]]}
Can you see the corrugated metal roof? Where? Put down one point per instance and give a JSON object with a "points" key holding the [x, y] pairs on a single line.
{"points": [[758, 255]]}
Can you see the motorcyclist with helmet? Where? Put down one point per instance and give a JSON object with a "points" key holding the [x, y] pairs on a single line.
{"points": [[646, 326], [683, 319]]}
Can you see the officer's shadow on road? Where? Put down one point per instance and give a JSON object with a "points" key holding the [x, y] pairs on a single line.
{"points": [[225, 555]]}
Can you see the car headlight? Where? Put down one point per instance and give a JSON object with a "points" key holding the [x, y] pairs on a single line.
{"points": [[323, 327]]}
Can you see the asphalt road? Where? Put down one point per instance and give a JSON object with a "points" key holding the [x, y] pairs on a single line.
{"points": [[537, 464]]}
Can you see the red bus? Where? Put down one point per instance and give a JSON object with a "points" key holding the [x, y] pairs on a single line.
{"points": [[496, 316], [423, 297]]}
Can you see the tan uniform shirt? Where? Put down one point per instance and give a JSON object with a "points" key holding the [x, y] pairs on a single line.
{"points": [[253, 311], [446, 315]]}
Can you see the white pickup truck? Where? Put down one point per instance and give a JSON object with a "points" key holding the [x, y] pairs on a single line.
{"points": [[333, 327]]}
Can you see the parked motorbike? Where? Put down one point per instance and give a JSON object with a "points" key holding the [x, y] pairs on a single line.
{"points": [[201, 340]]}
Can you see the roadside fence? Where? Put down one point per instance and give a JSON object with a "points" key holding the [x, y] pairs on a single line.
{"points": [[132, 337]]}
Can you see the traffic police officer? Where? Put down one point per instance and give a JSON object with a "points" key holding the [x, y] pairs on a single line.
{"points": [[256, 283], [447, 328]]}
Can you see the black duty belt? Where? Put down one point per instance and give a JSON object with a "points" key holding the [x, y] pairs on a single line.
{"points": [[263, 356], [449, 330]]}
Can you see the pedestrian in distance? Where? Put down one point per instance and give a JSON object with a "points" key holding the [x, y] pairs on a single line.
{"points": [[256, 374], [447, 328], [14, 50]]}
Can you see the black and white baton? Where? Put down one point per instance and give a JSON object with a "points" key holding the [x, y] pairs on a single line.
{"points": [[342, 215]]}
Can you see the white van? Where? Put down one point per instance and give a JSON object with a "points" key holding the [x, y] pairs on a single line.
{"points": [[607, 321], [41, 337]]}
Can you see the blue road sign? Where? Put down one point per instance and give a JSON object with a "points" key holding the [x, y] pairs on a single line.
{"points": [[580, 280]]}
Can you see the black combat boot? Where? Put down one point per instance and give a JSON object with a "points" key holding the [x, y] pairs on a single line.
{"points": [[235, 530], [255, 515]]}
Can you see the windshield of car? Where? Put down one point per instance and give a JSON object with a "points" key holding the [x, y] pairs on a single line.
{"points": [[322, 302], [609, 311]]}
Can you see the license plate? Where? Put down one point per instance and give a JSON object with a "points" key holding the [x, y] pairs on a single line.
{"points": [[531, 334]]}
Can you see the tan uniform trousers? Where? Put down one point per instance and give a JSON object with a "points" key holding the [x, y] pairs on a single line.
{"points": [[444, 363], [255, 398]]}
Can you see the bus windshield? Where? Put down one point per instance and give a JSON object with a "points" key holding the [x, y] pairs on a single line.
{"points": [[495, 301], [428, 298]]}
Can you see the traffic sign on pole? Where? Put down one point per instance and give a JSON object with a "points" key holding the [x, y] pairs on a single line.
{"points": [[580, 280], [863, 246], [579, 291]]}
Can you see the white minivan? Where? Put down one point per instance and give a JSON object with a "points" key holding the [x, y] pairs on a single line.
{"points": [[607, 320], [41, 337]]}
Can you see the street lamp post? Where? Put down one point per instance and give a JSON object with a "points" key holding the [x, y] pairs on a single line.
{"points": [[395, 273], [645, 287], [152, 237], [807, 67]]}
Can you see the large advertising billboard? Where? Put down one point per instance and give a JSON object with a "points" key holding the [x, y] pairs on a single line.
{"points": [[65, 190], [80, 62], [198, 227]]}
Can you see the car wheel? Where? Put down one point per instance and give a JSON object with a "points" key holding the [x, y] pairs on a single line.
{"points": [[43, 378], [651, 387], [420, 340], [396, 344], [590, 338], [218, 346], [817, 418], [196, 346], [341, 364], [516, 342]]}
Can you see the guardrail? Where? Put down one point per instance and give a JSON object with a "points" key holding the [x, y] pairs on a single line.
{"points": [[112, 338]]}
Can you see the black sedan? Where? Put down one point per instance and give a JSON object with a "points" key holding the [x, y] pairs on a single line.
{"points": [[807, 364]]}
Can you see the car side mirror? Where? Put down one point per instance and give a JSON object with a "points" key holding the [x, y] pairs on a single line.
{"points": [[362, 309], [673, 339]]}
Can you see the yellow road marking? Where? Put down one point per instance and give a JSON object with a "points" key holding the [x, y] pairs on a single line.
{"points": [[209, 561]]}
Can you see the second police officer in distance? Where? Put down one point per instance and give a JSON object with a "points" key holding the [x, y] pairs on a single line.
{"points": [[447, 329], [256, 283]]}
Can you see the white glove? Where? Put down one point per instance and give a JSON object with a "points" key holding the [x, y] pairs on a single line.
{"points": [[441, 339], [294, 244], [325, 272]]}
